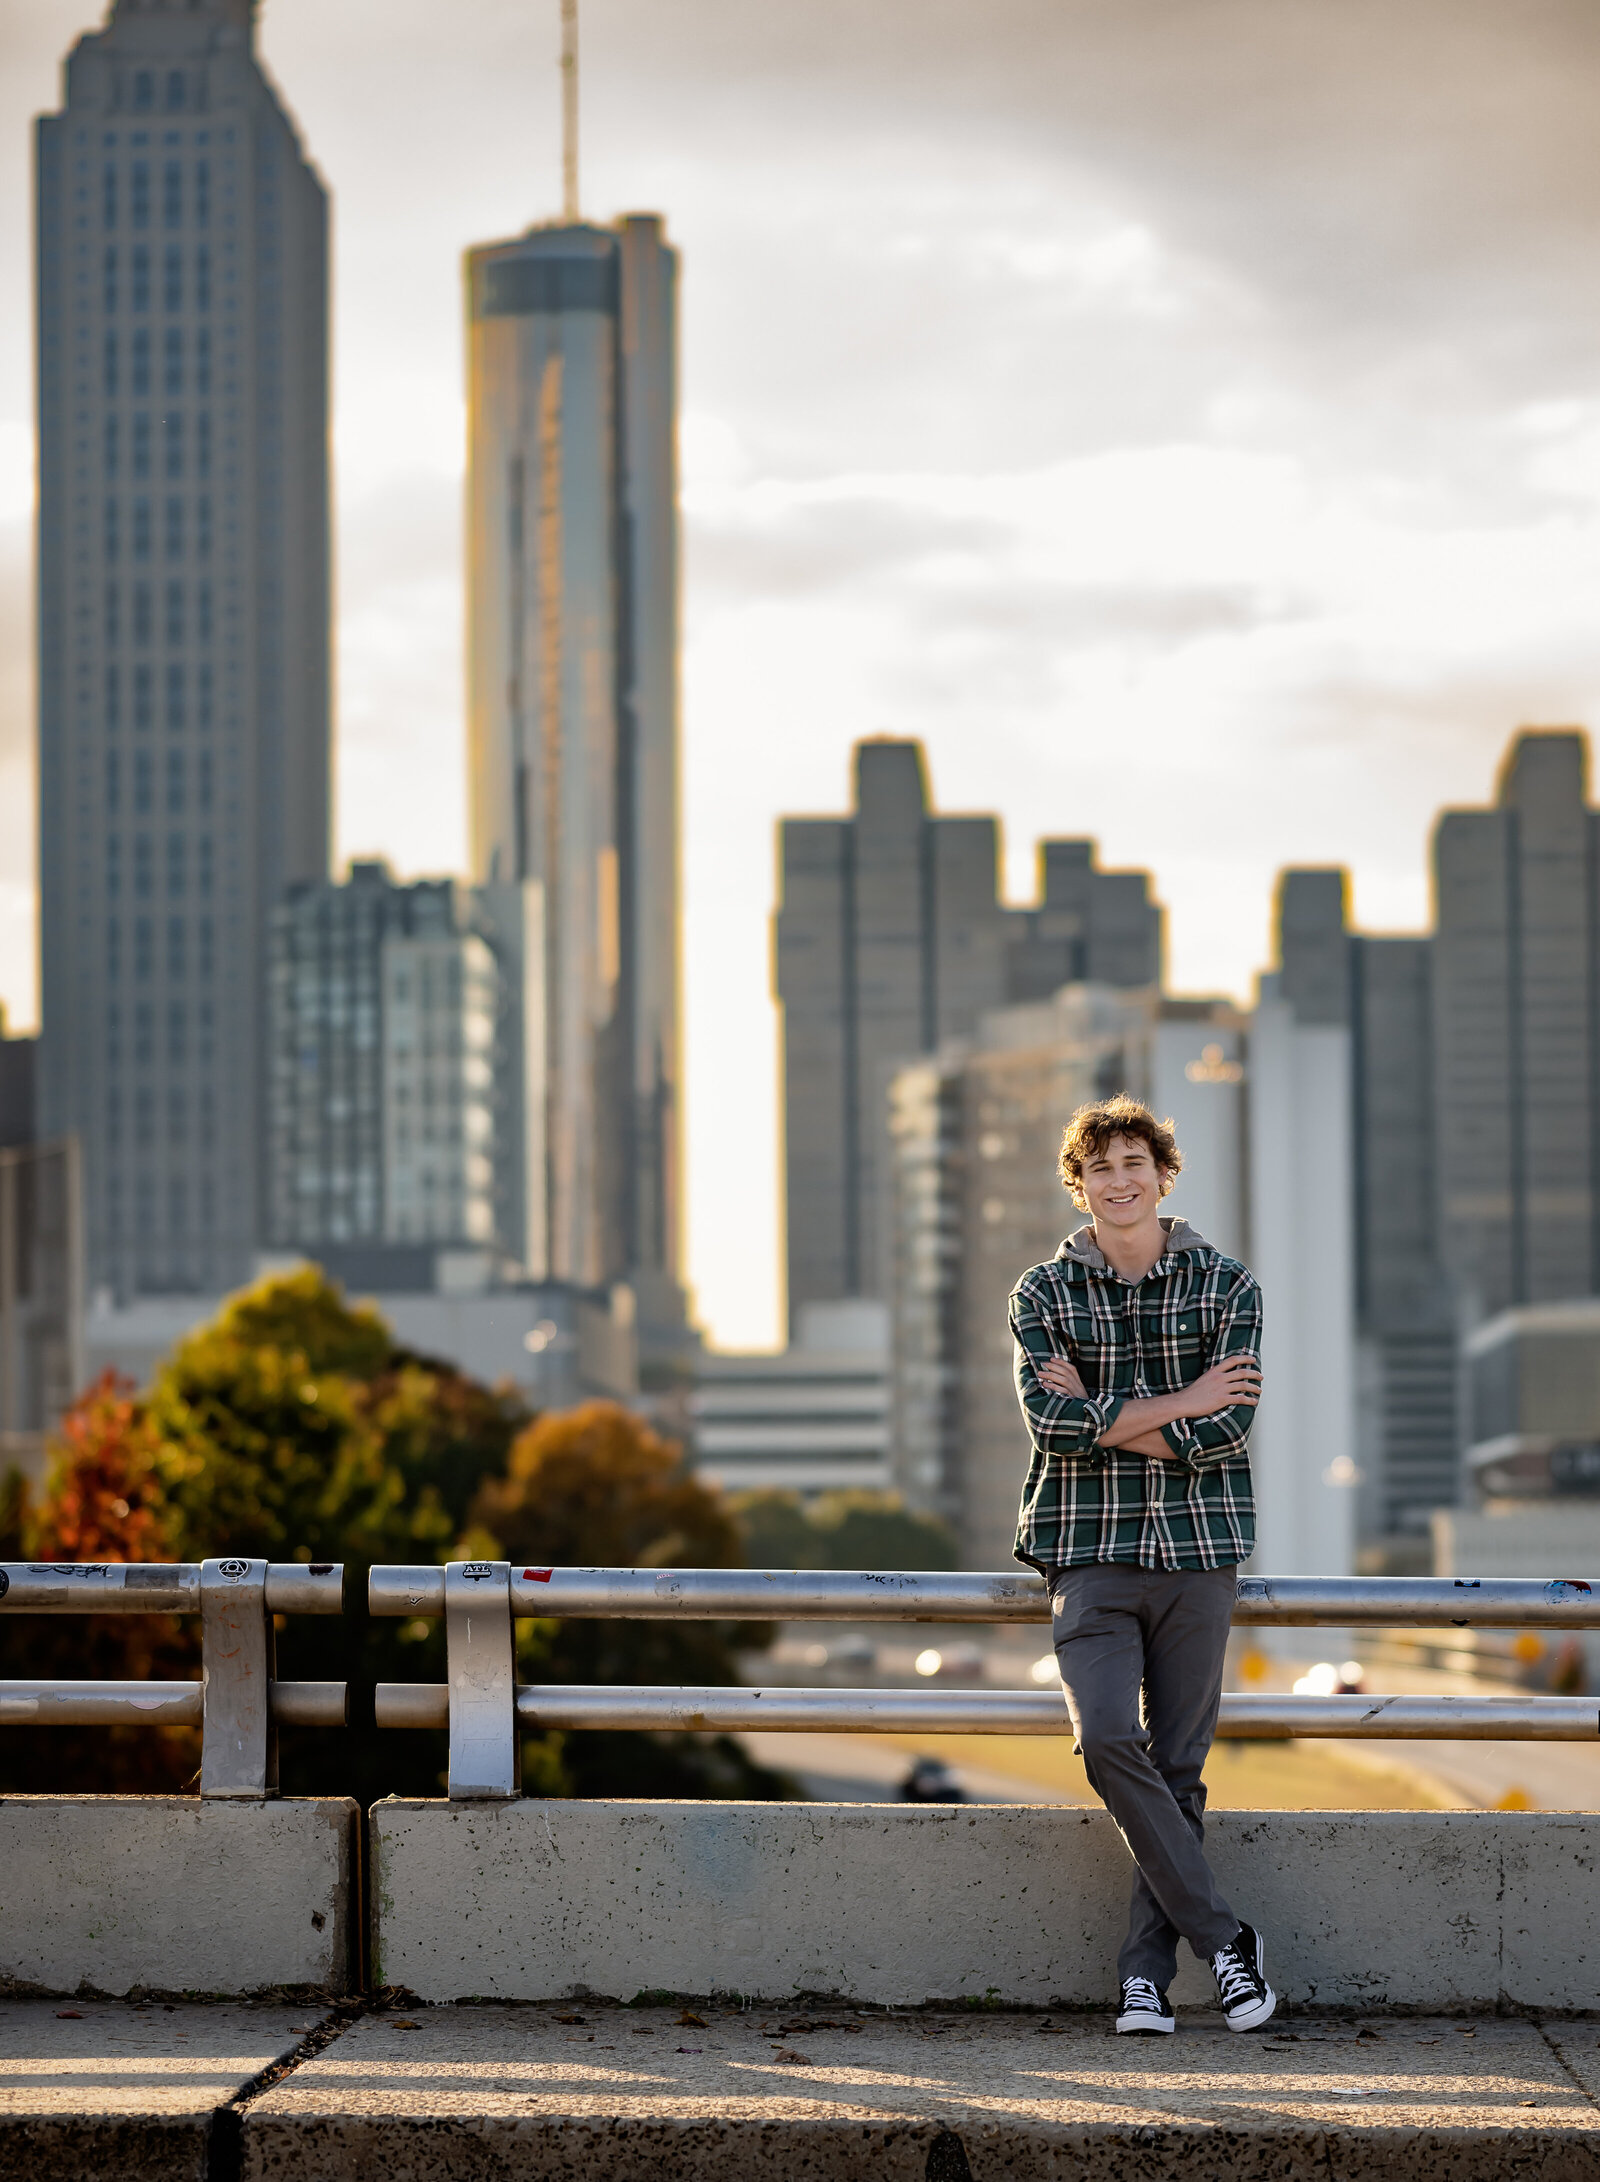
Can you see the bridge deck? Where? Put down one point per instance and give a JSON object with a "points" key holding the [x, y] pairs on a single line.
{"points": [[626, 2094]]}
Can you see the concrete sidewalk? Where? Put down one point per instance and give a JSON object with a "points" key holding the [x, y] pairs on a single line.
{"points": [[611, 2094]]}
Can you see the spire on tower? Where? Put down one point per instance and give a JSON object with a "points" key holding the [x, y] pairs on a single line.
{"points": [[569, 109]]}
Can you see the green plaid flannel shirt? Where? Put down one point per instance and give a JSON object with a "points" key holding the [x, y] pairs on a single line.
{"points": [[1084, 1502]]}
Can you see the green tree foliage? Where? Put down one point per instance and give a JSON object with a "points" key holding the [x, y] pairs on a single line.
{"points": [[840, 1530], [292, 1427], [596, 1487]]}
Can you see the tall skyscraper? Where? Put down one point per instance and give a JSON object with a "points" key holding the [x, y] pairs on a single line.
{"points": [[891, 938], [183, 620], [573, 727]]}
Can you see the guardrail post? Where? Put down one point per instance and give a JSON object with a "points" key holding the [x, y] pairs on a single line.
{"points": [[485, 1748], [239, 1744]]}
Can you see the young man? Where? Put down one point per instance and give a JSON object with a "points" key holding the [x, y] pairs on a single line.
{"points": [[1137, 1364]]}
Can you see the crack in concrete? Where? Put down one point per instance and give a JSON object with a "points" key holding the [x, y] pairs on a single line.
{"points": [[1566, 2066], [225, 2140]]}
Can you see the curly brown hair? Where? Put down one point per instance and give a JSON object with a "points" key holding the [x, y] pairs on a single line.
{"points": [[1092, 1127]]}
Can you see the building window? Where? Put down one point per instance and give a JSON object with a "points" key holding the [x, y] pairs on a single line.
{"points": [[202, 279], [139, 363], [141, 446], [111, 365], [172, 278], [143, 699], [172, 379], [174, 614], [203, 946], [141, 785], [174, 783], [202, 444], [203, 867], [139, 277], [176, 934], [174, 422], [143, 877], [113, 615], [111, 446], [202, 360], [174, 528], [113, 783], [175, 695], [142, 618], [202, 525], [177, 867], [108, 197], [110, 295], [202, 193], [141, 530], [144, 91], [113, 699], [113, 538], [172, 193], [203, 780], [202, 612], [202, 699], [113, 927]]}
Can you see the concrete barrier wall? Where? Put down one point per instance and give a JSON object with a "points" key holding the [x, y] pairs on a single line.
{"points": [[175, 1895], [899, 1904]]}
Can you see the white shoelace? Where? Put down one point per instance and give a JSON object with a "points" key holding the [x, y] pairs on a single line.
{"points": [[1235, 1979], [1140, 1993]]}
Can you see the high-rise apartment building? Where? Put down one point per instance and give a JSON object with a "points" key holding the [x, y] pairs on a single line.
{"points": [[573, 718], [1516, 1033], [892, 938], [384, 1020], [183, 620]]}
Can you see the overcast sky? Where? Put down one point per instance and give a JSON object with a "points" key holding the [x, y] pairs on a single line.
{"points": [[1183, 414]]}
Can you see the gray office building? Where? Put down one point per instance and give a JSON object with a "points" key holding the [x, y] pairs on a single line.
{"points": [[892, 939], [183, 620], [1382, 988], [572, 544], [385, 1015]]}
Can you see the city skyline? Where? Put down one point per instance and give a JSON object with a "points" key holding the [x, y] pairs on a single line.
{"points": [[877, 543]]}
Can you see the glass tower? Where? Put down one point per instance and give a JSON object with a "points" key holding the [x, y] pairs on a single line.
{"points": [[183, 620], [573, 724]]}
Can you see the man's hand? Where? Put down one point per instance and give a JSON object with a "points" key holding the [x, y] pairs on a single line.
{"points": [[1236, 1379], [1059, 1376]]}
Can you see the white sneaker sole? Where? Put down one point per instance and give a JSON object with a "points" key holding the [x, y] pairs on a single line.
{"points": [[1258, 2012], [1146, 2024]]}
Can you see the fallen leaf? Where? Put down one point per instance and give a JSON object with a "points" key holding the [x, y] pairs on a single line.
{"points": [[783, 2054], [1464, 2030], [1527, 2102], [642, 2030], [690, 2021], [68, 2015], [691, 2049], [404, 2023], [571, 2019]]}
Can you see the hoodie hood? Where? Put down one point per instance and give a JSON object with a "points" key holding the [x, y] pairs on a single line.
{"points": [[1082, 1248]]}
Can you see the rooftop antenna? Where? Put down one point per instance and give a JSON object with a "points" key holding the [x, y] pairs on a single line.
{"points": [[569, 110]]}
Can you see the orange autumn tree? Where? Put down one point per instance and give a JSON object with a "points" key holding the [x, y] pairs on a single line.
{"points": [[103, 1499]]}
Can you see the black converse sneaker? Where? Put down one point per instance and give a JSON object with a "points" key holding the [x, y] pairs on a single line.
{"points": [[1240, 1971], [1144, 2007]]}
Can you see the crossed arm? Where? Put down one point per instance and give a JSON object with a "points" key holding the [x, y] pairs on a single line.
{"points": [[1232, 1380]]}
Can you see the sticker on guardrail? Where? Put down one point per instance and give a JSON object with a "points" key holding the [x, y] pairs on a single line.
{"points": [[537, 1575], [233, 1570], [475, 1571]]}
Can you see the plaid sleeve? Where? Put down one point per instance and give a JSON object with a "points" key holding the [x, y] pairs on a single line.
{"points": [[1205, 1443], [1058, 1424]]}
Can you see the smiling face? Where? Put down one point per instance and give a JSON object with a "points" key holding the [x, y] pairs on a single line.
{"points": [[1122, 1186]]}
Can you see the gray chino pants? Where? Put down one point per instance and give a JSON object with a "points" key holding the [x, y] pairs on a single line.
{"points": [[1119, 1631]]}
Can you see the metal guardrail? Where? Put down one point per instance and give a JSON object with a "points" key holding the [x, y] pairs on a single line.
{"points": [[237, 1705], [486, 1711], [808, 1594]]}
